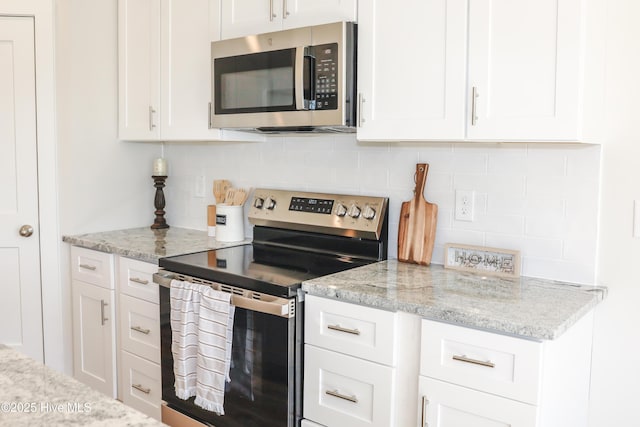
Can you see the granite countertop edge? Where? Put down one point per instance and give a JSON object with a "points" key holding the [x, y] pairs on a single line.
{"points": [[145, 244], [469, 313]]}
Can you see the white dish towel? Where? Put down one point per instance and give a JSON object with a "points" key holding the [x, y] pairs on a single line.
{"points": [[202, 332]]}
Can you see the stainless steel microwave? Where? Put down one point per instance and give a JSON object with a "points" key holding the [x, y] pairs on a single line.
{"points": [[298, 80]]}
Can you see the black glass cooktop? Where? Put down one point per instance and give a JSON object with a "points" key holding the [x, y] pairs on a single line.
{"points": [[271, 270]]}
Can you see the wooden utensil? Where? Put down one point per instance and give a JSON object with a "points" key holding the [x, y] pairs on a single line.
{"points": [[418, 218]]}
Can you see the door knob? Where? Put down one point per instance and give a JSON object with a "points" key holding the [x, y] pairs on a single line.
{"points": [[26, 230]]}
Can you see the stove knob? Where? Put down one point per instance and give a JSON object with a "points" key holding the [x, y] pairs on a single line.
{"points": [[354, 211], [258, 202], [369, 212], [341, 210], [270, 203]]}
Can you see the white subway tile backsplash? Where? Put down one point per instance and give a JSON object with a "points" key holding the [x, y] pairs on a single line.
{"points": [[538, 198]]}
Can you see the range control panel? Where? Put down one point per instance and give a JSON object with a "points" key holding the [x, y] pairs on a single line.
{"points": [[338, 214]]}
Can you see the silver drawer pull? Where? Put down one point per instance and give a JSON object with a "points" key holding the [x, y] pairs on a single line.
{"points": [[142, 389], [141, 330], [136, 280], [463, 358], [88, 267], [335, 393], [341, 329]]}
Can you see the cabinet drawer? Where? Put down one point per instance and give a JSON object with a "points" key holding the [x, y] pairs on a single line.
{"points": [[444, 404], [93, 267], [142, 385], [136, 279], [140, 327], [493, 363], [341, 390], [351, 329]]}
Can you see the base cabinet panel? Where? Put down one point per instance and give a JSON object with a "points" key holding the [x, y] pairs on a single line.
{"points": [[346, 391], [448, 405], [94, 337], [142, 388]]}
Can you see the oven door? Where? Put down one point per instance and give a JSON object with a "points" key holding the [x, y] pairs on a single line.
{"points": [[265, 386]]}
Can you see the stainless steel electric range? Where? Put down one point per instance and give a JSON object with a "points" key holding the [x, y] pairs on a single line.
{"points": [[297, 236]]}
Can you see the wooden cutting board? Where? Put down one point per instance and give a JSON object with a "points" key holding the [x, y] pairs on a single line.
{"points": [[418, 218]]}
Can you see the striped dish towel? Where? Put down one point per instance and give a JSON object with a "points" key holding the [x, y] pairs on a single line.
{"points": [[215, 334], [202, 331]]}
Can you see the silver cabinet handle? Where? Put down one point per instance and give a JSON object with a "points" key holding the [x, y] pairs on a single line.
{"points": [[285, 12], [151, 113], [474, 106], [209, 116], [26, 230], [137, 280], [423, 419], [341, 329], [271, 12], [102, 306], [463, 358], [361, 101], [141, 330], [88, 267], [335, 393], [139, 387]]}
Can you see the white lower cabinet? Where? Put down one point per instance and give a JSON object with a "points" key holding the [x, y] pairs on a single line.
{"points": [[139, 379], [346, 391], [141, 384], [94, 337], [447, 405], [476, 378], [360, 367], [94, 333]]}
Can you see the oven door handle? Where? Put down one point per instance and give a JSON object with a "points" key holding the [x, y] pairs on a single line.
{"points": [[247, 299]]}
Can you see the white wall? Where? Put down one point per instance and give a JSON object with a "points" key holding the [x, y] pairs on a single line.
{"points": [[540, 199], [104, 184], [616, 371]]}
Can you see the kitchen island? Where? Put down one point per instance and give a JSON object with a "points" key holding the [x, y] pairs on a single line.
{"points": [[32, 394]]}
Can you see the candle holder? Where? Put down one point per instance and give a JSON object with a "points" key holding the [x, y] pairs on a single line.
{"points": [[158, 201]]}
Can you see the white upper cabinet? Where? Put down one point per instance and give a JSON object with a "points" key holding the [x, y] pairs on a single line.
{"points": [[411, 69], [164, 69], [495, 70], [240, 18]]}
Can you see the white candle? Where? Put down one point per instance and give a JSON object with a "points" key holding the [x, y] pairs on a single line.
{"points": [[160, 167]]}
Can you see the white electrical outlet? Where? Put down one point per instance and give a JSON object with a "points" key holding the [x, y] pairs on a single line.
{"points": [[200, 186], [464, 205]]}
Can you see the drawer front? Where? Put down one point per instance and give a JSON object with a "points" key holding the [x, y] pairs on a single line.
{"points": [[140, 327], [136, 279], [142, 385], [93, 267], [443, 404], [494, 363], [363, 332], [342, 390]]}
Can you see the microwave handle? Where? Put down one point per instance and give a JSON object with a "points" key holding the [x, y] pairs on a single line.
{"points": [[305, 78]]}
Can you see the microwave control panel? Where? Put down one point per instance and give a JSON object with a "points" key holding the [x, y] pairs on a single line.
{"points": [[326, 56]]}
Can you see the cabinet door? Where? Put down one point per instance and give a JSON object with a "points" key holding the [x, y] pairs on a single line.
{"points": [[94, 337], [142, 384], [524, 63], [188, 28], [302, 13], [447, 405], [411, 69], [139, 69], [239, 18]]}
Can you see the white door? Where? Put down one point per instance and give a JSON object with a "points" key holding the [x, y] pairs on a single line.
{"points": [[21, 302], [239, 18]]}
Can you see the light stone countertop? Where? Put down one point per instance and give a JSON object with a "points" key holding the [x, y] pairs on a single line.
{"points": [[34, 395], [149, 245], [535, 308]]}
